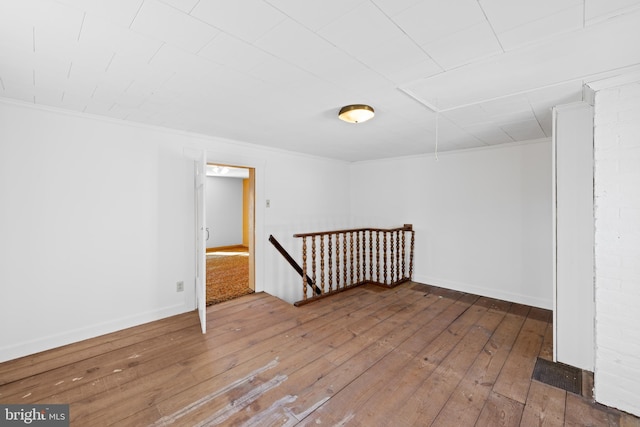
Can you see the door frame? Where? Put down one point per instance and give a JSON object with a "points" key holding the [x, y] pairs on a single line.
{"points": [[257, 244], [250, 217], [200, 184]]}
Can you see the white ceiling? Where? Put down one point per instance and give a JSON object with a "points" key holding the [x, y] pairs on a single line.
{"points": [[276, 72]]}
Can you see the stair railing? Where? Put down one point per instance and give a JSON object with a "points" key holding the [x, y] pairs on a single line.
{"points": [[343, 259]]}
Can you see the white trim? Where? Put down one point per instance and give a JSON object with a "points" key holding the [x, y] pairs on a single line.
{"points": [[486, 292], [30, 347]]}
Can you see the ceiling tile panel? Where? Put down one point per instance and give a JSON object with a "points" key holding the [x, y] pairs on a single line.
{"points": [[98, 34], [468, 116], [523, 131], [315, 14], [17, 77], [566, 20], [21, 93], [16, 26], [108, 91], [430, 20], [410, 73], [49, 95], [163, 22], [19, 69], [81, 86], [52, 73], [282, 74], [126, 70], [464, 141], [395, 7], [513, 117], [116, 12], [465, 46], [508, 105], [361, 31], [449, 132], [184, 5], [347, 73], [489, 134], [56, 29], [247, 20], [400, 60], [234, 53], [74, 100], [505, 15], [89, 61], [170, 58], [597, 10], [294, 43], [131, 100]]}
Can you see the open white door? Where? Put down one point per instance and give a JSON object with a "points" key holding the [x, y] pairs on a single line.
{"points": [[201, 251]]}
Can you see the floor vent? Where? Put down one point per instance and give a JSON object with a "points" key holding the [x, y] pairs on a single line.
{"points": [[558, 375]]}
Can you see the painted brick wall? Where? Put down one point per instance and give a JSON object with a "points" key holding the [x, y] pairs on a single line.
{"points": [[617, 246]]}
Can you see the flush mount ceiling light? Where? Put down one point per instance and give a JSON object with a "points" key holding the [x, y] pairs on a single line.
{"points": [[356, 113]]}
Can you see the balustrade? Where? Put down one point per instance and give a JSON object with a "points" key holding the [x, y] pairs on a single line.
{"points": [[345, 254]]}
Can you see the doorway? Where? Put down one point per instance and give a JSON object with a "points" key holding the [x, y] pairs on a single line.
{"points": [[230, 223]]}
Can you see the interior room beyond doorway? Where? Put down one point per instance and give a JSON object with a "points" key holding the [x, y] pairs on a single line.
{"points": [[229, 222]]}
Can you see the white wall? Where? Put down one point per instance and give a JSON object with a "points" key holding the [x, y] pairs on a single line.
{"points": [[96, 219], [304, 197], [617, 250], [573, 243], [224, 211], [482, 217]]}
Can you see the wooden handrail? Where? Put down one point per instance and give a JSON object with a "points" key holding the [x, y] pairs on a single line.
{"points": [[406, 227], [352, 255], [292, 262]]}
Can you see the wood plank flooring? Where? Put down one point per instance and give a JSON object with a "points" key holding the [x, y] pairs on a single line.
{"points": [[412, 355]]}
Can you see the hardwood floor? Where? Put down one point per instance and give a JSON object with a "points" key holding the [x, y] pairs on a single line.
{"points": [[413, 355]]}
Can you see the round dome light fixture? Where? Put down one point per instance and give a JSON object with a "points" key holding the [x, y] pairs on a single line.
{"points": [[356, 113]]}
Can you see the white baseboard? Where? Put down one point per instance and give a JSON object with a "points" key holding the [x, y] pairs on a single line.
{"points": [[32, 346], [487, 292]]}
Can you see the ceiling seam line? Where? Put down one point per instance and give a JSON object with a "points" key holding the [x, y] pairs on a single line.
{"points": [[84, 16], [493, 30], [154, 54], [193, 8], [536, 117], [406, 34], [136, 15]]}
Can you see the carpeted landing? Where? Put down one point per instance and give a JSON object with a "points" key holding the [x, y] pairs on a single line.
{"points": [[227, 275]]}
